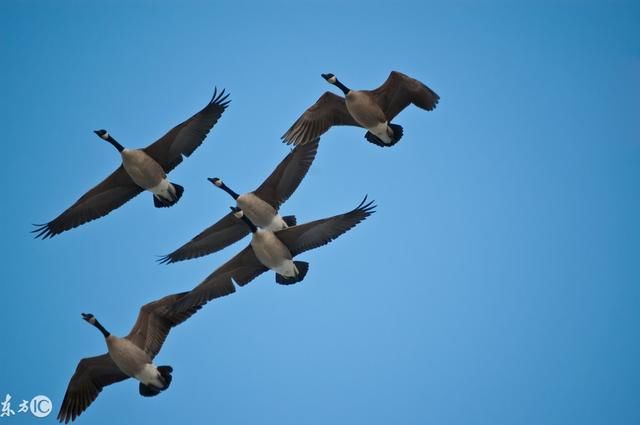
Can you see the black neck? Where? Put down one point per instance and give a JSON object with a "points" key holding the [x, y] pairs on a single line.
{"points": [[342, 87], [115, 143], [101, 329], [229, 191], [249, 223]]}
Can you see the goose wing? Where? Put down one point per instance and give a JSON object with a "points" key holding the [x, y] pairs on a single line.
{"points": [[108, 195], [320, 232], [286, 178], [184, 138], [90, 377], [156, 319], [242, 269], [223, 233], [399, 91], [329, 110]]}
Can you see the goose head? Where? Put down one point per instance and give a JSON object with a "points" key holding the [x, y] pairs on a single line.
{"points": [[219, 183], [104, 135], [89, 318], [216, 181], [331, 79], [237, 212], [93, 321]]}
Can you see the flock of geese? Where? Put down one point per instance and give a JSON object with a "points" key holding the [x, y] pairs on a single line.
{"points": [[275, 239]]}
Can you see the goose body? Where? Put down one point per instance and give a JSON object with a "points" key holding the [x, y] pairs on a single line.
{"points": [[145, 172], [128, 357], [141, 169], [273, 251], [260, 206], [260, 212], [134, 362], [370, 109], [368, 114]]}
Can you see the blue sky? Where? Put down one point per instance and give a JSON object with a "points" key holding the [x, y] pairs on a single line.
{"points": [[498, 283]]}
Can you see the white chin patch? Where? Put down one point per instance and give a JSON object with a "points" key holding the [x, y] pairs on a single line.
{"points": [[105, 136], [332, 80], [218, 183]]}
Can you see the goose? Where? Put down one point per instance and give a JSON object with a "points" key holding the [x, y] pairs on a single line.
{"points": [[371, 109], [141, 169], [273, 251], [261, 206], [128, 357]]}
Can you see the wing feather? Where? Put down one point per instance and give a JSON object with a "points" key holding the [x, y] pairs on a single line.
{"points": [[329, 110], [91, 376], [184, 138], [223, 233], [111, 193], [286, 178], [320, 232], [241, 269], [399, 91]]}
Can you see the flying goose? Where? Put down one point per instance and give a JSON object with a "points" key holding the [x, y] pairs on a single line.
{"points": [[260, 206], [274, 251], [141, 169], [371, 109], [128, 357]]}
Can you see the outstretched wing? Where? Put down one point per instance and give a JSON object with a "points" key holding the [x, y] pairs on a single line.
{"points": [[156, 319], [399, 91], [110, 194], [242, 269], [223, 233], [184, 138], [329, 110], [91, 376], [320, 232], [286, 178]]}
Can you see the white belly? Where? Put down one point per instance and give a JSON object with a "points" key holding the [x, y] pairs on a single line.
{"points": [[287, 269], [149, 375], [162, 189], [277, 223], [382, 131]]}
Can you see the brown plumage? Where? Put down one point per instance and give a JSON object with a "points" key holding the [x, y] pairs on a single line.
{"points": [[275, 190], [363, 108], [92, 374], [245, 266], [119, 187]]}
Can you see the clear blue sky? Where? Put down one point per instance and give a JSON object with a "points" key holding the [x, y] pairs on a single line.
{"points": [[499, 282]]}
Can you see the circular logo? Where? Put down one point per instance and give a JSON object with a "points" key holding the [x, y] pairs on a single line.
{"points": [[40, 406]]}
